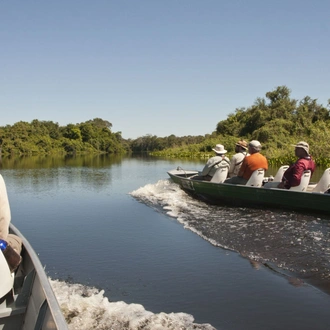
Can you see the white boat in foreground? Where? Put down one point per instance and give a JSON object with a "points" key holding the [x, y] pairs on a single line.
{"points": [[27, 300]]}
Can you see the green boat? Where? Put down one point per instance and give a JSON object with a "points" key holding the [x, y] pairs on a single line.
{"points": [[311, 199]]}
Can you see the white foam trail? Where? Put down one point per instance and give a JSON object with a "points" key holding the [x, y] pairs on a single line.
{"points": [[86, 308], [291, 241], [176, 203], [169, 196]]}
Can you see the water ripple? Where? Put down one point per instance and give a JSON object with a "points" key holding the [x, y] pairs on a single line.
{"points": [[291, 243]]}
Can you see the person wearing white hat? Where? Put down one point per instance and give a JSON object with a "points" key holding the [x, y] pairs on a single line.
{"points": [[218, 161], [250, 164], [292, 176]]}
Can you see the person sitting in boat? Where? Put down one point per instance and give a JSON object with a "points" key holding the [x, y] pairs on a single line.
{"points": [[215, 162], [292, 176], [13, 241], [237, 160], [250, 164]]}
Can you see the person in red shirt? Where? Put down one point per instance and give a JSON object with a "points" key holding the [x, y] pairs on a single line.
{"points": [[292, 176], [250, 163]]}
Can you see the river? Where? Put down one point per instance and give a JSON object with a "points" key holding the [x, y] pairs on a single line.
{"points": [[125, 248]]}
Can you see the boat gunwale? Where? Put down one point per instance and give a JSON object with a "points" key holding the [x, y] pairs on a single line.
{"points": [[52, 302], [218, 191]]}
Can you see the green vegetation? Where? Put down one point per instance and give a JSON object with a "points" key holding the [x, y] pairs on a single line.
{"points": [[277, 121], [47, 137]]}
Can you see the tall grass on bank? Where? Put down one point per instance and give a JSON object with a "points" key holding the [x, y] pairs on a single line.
{"points": [[323, 162]]}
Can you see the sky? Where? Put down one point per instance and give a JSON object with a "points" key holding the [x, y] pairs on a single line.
{"points": [[158, 67]]}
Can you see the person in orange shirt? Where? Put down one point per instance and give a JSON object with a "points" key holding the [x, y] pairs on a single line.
{"points": [[250, 163]]}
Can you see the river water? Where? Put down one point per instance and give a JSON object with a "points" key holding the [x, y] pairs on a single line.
{"points": [[125, 248]]}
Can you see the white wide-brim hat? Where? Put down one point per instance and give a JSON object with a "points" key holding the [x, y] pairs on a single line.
{"points": [[219, 149]]}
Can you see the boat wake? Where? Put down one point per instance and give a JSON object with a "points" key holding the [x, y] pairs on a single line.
{"points": [[291, 243], [86, 308], [167, 197]]}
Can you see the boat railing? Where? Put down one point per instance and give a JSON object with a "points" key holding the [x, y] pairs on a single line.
{"points": [[37, 298], [179, 168]]}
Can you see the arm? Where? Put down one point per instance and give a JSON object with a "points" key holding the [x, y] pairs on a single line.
{"points": [[212, 162], [207, 167], [292, 176]]}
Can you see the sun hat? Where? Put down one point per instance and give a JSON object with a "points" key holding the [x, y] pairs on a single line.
{"points": [[219, 149], [302, 144], [255, 144], [242, 143]]}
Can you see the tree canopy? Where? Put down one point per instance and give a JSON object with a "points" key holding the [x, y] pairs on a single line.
{"points": [[47, 137], [279, 121], [276, 120]]}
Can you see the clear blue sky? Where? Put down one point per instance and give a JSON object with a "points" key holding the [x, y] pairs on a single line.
{"points": [[157, 67]]}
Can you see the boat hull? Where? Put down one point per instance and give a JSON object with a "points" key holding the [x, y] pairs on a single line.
{"points": [[31, 304], [240, 195]]}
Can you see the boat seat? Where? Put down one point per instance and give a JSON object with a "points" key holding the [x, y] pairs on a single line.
{"points": [[324, 183], [7, 278], [303, 182], [220, 175], [278, 176], [256, 178]]}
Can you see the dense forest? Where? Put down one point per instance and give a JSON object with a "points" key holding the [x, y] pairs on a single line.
{"points": [[277, 121], [92, 136], [47, 137]]}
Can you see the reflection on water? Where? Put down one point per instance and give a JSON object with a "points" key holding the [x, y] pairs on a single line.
{"points": [[90, 171], [87, 229], [45, 162], [288, 242]]}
